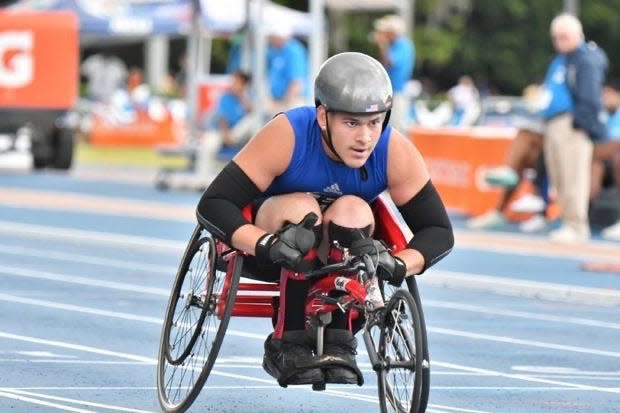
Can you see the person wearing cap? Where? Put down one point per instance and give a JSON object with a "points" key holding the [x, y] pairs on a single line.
{"points": [[309, 176], [287, 69], [397, 53]]}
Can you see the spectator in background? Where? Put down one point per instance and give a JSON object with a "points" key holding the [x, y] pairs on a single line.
{"points": [[465, 101], [524, 154], [135, 78], [232, 122], [105, 73], [575, 77], [180, 79], [606, 155], [397, 53], [608, 149], [287, 67]]}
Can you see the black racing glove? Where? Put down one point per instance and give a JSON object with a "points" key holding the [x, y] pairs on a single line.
{"points": [[289, 245], [389, 268]]}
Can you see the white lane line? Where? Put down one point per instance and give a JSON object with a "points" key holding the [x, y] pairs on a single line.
{"points": [[523, 288], [10, 395], [81, 388], [73, 279], [79, 309], [527, 378], [520, 314], [77, 347], [472, 282], [528, 343], [56, 361], [237, 333], [90, 237], [85, 259], [68, 400], [134, 357], [456, 409]]}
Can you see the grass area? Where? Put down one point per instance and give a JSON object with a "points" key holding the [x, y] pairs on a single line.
{"points": [[126, 156]]}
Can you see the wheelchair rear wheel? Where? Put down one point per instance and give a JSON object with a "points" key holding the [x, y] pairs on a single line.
{"points": [[196, 319], [400, 346]]}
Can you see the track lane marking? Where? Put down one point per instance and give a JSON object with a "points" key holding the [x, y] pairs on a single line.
{"points": [[10, 395], [519, 314], [244, 334], [70, 400], [527, 378], [91, 237], [74, 279], [522, 288], [528, 343], [85, 259]]}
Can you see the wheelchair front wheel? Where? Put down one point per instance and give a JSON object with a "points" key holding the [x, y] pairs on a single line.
{"points": [[412, 287], [193, 328], [400, 347]]}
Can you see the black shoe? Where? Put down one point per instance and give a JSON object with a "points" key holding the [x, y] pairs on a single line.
{"points": [[341, 345], [290, 360]]}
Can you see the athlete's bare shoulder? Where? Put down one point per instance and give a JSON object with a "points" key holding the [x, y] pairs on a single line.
{"points": [[269, 152]]}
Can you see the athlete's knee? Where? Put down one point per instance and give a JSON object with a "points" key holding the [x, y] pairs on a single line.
{"points": [[279, 210], [350, 211]]}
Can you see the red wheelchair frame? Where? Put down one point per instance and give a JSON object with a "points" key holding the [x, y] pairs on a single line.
{"points": [[259, 299], [253, 305]]}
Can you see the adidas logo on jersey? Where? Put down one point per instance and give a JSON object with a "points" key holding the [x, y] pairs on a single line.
{"points": [[333, 189]]}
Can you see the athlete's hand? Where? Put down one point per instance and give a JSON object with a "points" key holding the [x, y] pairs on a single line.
{"points": [[288, 245], [389, 268]]}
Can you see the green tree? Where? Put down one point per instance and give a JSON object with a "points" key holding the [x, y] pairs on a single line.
{"points": [[504, 44]]}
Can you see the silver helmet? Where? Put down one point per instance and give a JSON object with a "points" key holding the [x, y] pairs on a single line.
{"points": [[353, 83]]}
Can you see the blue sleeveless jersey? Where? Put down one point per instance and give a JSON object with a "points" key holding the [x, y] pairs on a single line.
{"points": [[310, 169]]}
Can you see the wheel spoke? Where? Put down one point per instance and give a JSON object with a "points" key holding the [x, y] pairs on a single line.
{"points": [[193, 333], [401, 380]]}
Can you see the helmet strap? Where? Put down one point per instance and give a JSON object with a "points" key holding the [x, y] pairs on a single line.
{"points": [[386, 119], [327, 137]]}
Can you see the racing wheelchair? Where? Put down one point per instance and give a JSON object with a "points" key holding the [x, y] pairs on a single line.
{"points": [[208, 291]]}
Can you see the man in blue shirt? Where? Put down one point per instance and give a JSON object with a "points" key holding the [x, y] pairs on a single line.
{"points": [[398, 56], [572, 123], [287, 62], [606, 155], [231, 124], [309, 176]]}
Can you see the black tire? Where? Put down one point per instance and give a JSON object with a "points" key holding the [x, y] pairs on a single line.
{"points": [[192, 334], [41, 148], [412, 287], [62, 149], [400, 349]]}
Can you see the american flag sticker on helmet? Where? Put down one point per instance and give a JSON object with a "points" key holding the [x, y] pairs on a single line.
{"points": [[372, 108]]}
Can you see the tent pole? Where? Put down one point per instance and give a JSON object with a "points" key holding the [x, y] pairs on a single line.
{"points": [[317, 41], [259, 60], [193, 67]]}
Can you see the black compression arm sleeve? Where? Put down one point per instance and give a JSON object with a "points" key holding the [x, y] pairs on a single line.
{"points": [[219, 209], [427, 218]]}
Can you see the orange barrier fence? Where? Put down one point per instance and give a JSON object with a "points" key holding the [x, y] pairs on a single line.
{"points": [[144, 131], [457, 159]]}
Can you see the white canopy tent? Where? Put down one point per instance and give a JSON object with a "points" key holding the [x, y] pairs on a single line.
{"points": [[257, 15], [212, 18]]}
